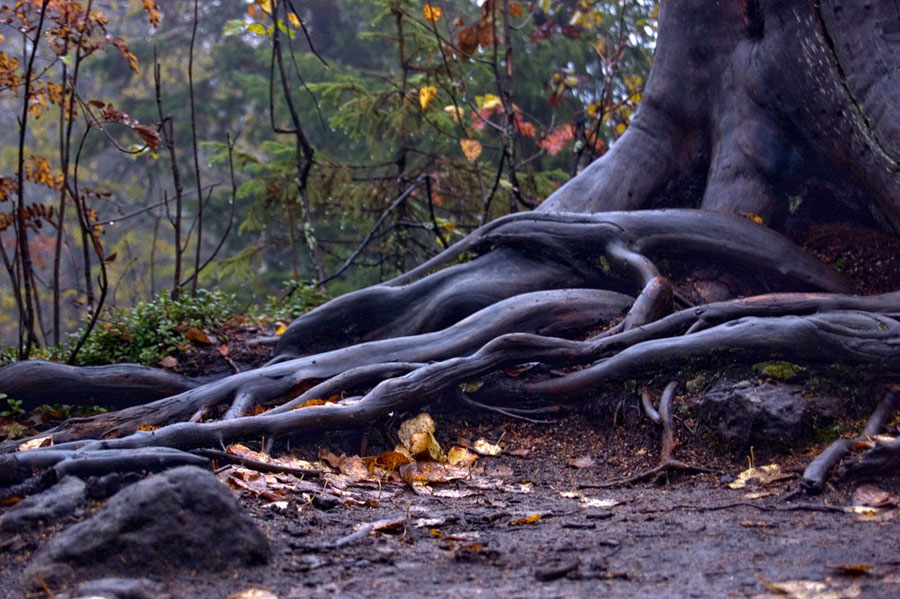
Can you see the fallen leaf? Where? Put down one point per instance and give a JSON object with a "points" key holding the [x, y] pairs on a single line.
{"points": [[758, 495], [169, 362], [425, 445], [253, 594], [35, 443], [223, 349], [852, 569], [421, 423], [872, 496], [197, 336], [526, 520], [391, 460], [756, 524], [460, 456], [280, 330], [485, 448], [763, 476], [596, 502]]}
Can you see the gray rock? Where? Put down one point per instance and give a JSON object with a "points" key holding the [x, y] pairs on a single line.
{"points": [[762, 415], [53, 505], [179, 519], [120, 588]]}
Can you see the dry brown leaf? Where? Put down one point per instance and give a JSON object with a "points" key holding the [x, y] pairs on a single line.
{"points": [[872, 496], [169, 362], [460, 456], [852, 569], [197, 336], [421, 423], [391, 460]]}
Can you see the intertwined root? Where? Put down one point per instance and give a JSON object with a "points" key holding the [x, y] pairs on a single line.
{"points": [[533, 297]]}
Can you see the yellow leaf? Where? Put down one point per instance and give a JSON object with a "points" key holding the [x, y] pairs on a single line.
{"points": [[484, 447], [527, 520], [620, 128], [432, 13], [426, 95], [280, 330], [755, 218], [471, 148], [654, 14], [455, 112], [294, 20], [487, 101], [633, 82], [266, 5]]}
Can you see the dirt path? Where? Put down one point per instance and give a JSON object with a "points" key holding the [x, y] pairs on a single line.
{"points": [[675, 540]]}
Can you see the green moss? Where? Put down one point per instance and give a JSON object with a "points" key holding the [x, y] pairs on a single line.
{"points": [[605, 265], [696, 384], [780, 371]]}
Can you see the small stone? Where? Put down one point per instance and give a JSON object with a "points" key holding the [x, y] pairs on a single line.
{"points": [[179, 519]]}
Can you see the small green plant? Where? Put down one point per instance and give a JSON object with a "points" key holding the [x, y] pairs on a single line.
{"points": [[14, 431], [150, 331], [14, 407], [298, 298]]}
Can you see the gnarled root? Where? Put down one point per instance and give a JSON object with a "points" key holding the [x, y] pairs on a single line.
{"points": [[404, 363]]}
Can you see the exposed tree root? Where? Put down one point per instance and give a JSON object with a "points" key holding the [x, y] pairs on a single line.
{"points": [[37, 382], [881, 458], [667, 464], [422, 339]]}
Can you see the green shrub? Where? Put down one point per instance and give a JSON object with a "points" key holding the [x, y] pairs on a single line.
{"points": [[150, 331], [291, 304]]}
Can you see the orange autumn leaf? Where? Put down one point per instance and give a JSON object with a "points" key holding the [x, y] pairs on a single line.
{"points": [[468, 41], [432, 13], [471, 148], [515, 9], [557, 138], [197, 336]]}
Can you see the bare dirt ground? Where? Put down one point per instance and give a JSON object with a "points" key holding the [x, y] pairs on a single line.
{"points": [[690, 536]]}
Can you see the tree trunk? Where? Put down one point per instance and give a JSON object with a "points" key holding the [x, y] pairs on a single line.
{"points": [[762, 98], [784, 109]]}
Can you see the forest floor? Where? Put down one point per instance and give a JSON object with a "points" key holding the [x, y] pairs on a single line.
{"points": [[527, 523], [524, 525]]}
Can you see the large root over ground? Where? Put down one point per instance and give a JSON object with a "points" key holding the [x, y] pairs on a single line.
{"points": [[578, 294]]}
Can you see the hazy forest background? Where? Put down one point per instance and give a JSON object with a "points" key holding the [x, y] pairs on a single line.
{"points": [[296, 149]]}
